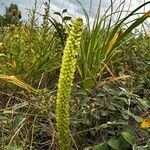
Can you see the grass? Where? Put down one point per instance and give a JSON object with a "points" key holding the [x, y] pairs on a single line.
{"points": [[110, 95], [101, 43]]}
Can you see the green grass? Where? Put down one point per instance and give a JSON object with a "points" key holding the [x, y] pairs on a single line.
{"points": [[101, 42]]}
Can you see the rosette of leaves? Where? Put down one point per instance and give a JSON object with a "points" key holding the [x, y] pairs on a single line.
{"points": [[65, 83]]}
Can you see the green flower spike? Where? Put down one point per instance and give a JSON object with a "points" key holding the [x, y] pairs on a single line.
{"points": [[65, 83]]}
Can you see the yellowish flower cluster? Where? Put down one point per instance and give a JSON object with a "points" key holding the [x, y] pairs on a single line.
{"points": [[66, 82]]}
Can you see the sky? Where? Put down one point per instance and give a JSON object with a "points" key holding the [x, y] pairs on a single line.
{"points": [[71, 5]]}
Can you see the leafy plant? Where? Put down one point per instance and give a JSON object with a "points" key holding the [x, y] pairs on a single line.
{"points": [[29, 59], [101, 43], [61, 26]]}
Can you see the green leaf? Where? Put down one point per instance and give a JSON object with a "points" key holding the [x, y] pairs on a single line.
{"points": [[66, 18], [123, 143], [84, 121], [128, 137], [57, 13], [103, 146], [137, 118], [108, 124], [113, 143], [18, 121], [64, 11], [104, 113]]}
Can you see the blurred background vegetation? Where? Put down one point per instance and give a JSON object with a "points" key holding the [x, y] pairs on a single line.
{"points": [[12, 15]]}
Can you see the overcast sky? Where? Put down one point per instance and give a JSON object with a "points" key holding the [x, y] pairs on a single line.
{"points": [[71, 5]]}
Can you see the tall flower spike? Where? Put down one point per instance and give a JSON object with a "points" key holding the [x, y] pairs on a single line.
{"points": [[65, 83]]}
